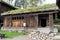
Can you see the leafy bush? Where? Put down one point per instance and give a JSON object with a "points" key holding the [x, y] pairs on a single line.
{"points": [[57, 20], [58, 27]]}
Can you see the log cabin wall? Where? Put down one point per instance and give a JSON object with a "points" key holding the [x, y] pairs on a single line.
{"points": [[17, 23], [13, 21], [51, 22], [3, 8], [32, 21], [6, 22]]}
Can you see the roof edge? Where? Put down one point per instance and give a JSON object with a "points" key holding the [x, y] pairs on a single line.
{"points": [[8, 4]]}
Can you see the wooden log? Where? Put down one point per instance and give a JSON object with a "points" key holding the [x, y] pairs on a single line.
{"points": [[51, 22], [6, 22]]}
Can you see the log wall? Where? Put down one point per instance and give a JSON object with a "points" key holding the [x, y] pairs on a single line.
{"points": [[32, 22], [6, 22], [17, 23], [51, 25]]}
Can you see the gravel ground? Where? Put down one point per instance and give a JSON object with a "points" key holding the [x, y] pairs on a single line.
{"points": [[57, 38], [22, 38], [19, 38]]}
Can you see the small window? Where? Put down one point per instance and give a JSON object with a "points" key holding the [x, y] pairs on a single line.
{"points": [[13, 18], [19, 17], [22, 17]]}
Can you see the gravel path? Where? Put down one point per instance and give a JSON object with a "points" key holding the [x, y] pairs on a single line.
{"points": [[22, 38], [19, 38]]}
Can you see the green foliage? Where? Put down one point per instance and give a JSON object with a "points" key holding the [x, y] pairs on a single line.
{"points": [[26, 3], [58, 27], [57, 20], [35, 2], [12, 34]]}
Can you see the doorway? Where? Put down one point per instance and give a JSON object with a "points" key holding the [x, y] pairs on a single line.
{"points": [[43, 22]]}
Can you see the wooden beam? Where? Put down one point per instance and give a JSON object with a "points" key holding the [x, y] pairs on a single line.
{"points": [[35, 13], [51, 22]]}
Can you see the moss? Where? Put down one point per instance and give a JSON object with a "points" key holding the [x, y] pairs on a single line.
{"points": [[29, 9]]}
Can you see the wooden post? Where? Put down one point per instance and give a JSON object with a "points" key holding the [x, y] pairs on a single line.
{"points": [[36, 20], [47, 22], [51, 22], [10, 24], [6, 22], [25, 22]]}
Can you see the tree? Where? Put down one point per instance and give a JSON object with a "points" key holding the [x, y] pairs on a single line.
{"points": [[27, 3], [35, 2], [24, 3], [11, 2], [58, 3], [21, 3]]}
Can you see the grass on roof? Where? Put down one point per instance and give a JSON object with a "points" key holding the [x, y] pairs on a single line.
{"points": [[30, 9]]}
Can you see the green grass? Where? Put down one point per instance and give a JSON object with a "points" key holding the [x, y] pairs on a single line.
{"points": [[12, 34]]}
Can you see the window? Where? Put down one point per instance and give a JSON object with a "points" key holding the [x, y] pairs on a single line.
{"points": [[17, 18], [22, 17], [13, 18]]}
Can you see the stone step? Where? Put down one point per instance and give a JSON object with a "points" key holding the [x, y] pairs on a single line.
{"points": [[56, 38], [47, 30], [43, 30]]}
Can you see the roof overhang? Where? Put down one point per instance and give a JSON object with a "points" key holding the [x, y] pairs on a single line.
{"points": [[3, 2], [43, 11]]}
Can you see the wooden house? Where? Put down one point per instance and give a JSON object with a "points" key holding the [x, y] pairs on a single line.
{"points": [[30, 19], [3, 8]]}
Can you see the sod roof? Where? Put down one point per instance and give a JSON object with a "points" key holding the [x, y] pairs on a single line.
{"points": [[31, 9]]}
